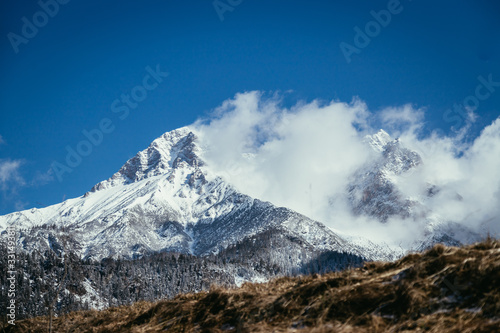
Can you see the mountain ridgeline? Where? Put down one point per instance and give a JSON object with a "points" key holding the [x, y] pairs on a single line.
{"points": [[165, 224]]}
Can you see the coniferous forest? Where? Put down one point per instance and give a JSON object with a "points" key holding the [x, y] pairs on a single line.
{"points": [[62, 281]]}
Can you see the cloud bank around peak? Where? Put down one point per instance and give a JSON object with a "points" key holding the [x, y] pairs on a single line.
{"points": [[292, 157], [303, 156]]}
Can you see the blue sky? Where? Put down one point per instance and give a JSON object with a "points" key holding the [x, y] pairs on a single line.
{"points": [[64, 79]]}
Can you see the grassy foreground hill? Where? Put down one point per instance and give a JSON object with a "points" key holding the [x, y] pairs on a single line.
{"points": [[445, 289]]}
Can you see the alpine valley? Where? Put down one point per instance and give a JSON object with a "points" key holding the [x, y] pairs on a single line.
{"points": [[165, 223]]}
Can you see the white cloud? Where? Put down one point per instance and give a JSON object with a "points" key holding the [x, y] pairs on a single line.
{"points": [[9, 173], [301, 157], [467, 175], [399, 120], [20, 205], [292, 157], [42, 178]]}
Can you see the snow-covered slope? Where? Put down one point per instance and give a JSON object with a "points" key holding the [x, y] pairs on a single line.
{"points": [[164, 199], [167, 199]]}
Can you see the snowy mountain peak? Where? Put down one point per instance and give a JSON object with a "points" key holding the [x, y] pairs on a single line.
{"points": [[173, 150], [395, 158], [379, 140], [165, 199], [373, 190]]}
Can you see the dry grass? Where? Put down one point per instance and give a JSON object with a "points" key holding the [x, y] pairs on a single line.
{"points": [[442, 290]]}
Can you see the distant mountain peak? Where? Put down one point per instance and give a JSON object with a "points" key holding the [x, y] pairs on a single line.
{"points": [[173, 150], [372, 190], [379, 140], [395, 156]]}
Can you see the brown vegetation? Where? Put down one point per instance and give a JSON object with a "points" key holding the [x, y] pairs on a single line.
{"points": [[441, 290]]}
